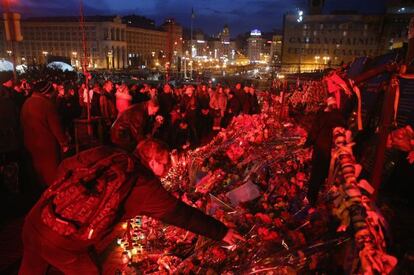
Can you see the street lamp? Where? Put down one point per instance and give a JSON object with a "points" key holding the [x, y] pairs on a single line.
{"points": [[300, 16], [326, 59], [299, 19], [45, 53], [75, 60], [317, 57]]}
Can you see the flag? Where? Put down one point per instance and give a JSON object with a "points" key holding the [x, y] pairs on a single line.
{"points": [[192, 13]]}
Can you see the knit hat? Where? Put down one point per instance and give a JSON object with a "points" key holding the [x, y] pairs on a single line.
{"points": [[43, 87]]}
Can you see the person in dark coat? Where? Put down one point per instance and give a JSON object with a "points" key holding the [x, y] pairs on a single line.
{"points": [[156, 126], [130, 126], [10, 143], [183, 137], [166, 101], [203, 98], [68, 108], [233, 109], [239, 94], [44, 246], [95, 101], [253, 102], [205, 121], [321, 138], [9, 117], [246, 103], [43, 133], [140, 94], [189, 104]]}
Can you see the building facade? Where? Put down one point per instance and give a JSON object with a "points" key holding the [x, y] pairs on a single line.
{"points": [[110, 43], [319, 40], [276, 50], [220, 47], [396, 22], [255, 46], [316, 41]]}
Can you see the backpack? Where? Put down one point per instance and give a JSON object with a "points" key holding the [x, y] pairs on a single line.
{"points": [[85, 201]]}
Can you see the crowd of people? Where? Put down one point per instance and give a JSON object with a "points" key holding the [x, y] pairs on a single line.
{"points": [[183, 117], [147, 121], [38, 129]]}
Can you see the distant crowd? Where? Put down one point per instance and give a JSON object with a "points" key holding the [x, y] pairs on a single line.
{"points": [[40, 115]]}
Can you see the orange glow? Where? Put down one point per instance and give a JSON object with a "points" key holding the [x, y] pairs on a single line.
{"points": [[7, 4]]}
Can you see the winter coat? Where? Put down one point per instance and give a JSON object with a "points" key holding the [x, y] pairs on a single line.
{"points": [[43, 136], [147, 197], [9, 123], [128, 129]]}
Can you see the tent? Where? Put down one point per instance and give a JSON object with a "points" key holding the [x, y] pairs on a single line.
{"points": [[58, 65], [5, 66]]}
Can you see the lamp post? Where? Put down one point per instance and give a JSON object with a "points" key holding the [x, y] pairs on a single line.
{"points": [[299, 19], [45, 53], [317, 57], [75, 59], [326, 59]]}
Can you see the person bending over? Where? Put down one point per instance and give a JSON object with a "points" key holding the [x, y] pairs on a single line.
{"points": [[58, 234]]}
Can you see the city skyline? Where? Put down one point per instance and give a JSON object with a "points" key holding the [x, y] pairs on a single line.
{"points": [[210, 15]]}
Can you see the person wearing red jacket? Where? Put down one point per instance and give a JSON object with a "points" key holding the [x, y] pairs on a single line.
{"points": [[43, 246]]}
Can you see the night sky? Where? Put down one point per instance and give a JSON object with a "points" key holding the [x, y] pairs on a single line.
{"points": [[211, 15]]}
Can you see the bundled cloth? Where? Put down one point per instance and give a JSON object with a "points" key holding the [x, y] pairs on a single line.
{"points": [[352, 205]]}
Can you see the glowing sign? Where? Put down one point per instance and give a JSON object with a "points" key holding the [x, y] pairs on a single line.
{"points": [[255, 32]]}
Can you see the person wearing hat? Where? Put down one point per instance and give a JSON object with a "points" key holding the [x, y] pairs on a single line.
{"points": [[43, 134], [320, 137]]}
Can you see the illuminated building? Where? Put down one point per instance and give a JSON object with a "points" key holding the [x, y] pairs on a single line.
{"points": [[255, 45], [276, 49], [396, 22], [111, 43], [146, 45], [220, 47], [318, 41]]}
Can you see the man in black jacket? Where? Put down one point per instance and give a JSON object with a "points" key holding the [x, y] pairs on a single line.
{"points": [[320, 137], [43, 246], [129, 128]]}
